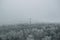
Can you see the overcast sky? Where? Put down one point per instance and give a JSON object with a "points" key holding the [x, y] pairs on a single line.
{"points": [[19, 11]]}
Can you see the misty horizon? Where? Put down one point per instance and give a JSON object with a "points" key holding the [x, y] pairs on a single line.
{"points": [[19, 11]]}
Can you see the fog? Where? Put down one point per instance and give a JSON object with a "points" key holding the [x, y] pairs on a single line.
{"points": [[19, 11]]}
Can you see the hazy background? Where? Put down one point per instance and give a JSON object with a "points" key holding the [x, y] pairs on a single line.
{"points": [[19, 11]]}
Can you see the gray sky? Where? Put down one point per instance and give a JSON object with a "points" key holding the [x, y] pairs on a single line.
{"points": [[19, 11]]}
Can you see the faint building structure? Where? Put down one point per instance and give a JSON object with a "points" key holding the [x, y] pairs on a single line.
{"points": [[47, 38], [30, 37]]}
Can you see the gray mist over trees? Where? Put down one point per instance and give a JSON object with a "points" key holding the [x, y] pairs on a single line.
{"points": [[19, 11]]}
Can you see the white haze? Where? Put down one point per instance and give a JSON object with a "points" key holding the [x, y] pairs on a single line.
{"points": [[19, 11]]}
